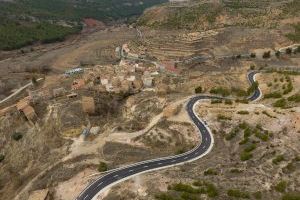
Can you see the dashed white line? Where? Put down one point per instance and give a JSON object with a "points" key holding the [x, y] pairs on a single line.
{"points": [[99, 184], [131, 170], [173, 161], [85, 197], [159, 163], [146, 166], [116, 175]]}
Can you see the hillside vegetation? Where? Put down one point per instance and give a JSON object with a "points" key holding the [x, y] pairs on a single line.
{"points": [[202, 14], [23, 22]]}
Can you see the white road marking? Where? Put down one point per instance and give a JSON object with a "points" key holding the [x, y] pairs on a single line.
{"points": [[159, 163], [131, 170], [185, 158], [99, 184], [85, 197], [116, 175], [145, 166], [173, 161]]}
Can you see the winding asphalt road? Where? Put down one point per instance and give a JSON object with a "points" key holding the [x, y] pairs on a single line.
{"points": [[121, 174]]}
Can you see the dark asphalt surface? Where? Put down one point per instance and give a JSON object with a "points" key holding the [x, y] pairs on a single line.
{"points": [[94, 188]]}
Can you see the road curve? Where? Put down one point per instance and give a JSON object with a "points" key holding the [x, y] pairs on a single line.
{"points": [[123, 173]]}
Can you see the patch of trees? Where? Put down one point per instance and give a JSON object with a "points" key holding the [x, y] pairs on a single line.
{"points": [[16, 35]]}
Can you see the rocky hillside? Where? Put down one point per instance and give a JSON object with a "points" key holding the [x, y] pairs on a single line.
{"points": [[206, 14]]}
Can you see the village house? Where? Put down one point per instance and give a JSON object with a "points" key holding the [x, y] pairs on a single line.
{"points": [[147, 81], [131, 78], [24, 107]]}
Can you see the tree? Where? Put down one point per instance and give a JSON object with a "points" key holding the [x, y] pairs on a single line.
{"points": [[198, 90], [33, 80], [277, 54], [288, 51], [253, 55], [1, 157], [17, 136], [267, 54], [252, 67], [239, 56], [102, 167]]}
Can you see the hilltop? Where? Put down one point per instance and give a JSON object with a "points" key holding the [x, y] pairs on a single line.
{"points": [[203, 14]]}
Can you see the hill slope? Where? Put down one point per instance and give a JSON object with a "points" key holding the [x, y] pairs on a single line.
{"points": [[202, 14], [23, 22]]}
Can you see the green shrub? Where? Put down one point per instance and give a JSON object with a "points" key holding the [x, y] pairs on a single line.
{"points": [[244, 141], [257, 195], [17, 136], [216, 101], [239, 92], [277, 54], [211, 190], [245, 156], [291, 196], [164, 196], [278, 159], [245, 101], [267, 54], [250, 148], [288, 51], [222, 117], [274, 95], [247, 132], [198, 90], [102, 167], [243, 112], [243, 125], [2, 157], [264, 137], [232, 134], [220, 91], [253, 55], [210, 172], [266, 113], [188, 196], [289, 88], [252, 67], [295, 98], [281, 186], [281, 103], [238, 194], [181, 187]]}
